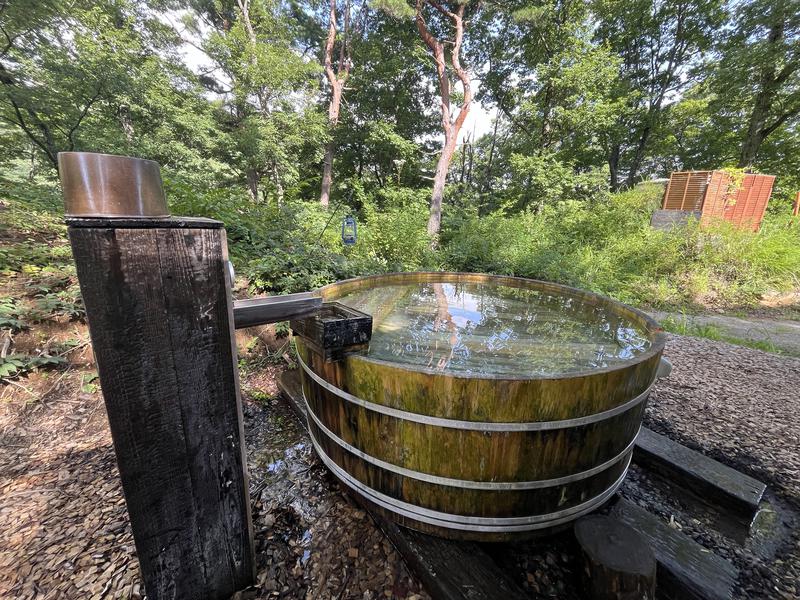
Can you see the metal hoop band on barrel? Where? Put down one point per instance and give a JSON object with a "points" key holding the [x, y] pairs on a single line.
{"points": [[464, 483], [477, 425], [482, 524]]}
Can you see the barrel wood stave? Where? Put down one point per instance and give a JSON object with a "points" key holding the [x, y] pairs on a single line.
{"points": [[425, 447]]}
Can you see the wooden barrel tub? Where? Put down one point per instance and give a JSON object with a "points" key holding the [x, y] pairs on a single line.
{"points": [[478, 411]]}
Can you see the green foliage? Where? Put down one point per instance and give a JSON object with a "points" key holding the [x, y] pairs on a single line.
{"points": [[588, 97], [543, 179], [395, 238], [609, 247], [18, 365], [67, 303], [88, 383], [10, 317]]}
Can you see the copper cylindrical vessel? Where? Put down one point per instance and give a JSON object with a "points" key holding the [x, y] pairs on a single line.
{"points": [[106, 185]]}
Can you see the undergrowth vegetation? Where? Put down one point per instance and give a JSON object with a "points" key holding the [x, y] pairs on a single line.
{"points": [[603, 243]]}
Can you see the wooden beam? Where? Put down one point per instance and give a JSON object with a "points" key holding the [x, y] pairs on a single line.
{"points": [[449, 570], [273, 309], [618, 563], [709, 479], [157, 296], [685, 568]]}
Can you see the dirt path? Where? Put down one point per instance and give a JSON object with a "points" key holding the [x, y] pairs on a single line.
{"points": [[784, 334]]}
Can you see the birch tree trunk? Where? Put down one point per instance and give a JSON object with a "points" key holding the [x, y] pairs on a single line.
{"points": [[337, 80], [451, 127]]}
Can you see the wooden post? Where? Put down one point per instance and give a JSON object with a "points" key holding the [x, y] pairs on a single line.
{"points": [[617, 562], [158, 302]]}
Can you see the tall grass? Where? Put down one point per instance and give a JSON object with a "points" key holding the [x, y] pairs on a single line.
{"points": [[609, 247]]}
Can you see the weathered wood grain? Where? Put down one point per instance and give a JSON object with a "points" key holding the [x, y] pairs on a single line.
{"points": [[709, 479], [618, 564], [685, 568], [528, 477], [335, 325], [452, 570], [292, 391], [160, 318], [272, 309]]}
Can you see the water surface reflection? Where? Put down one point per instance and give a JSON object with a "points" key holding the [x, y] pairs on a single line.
{"points": [[487, 328]]}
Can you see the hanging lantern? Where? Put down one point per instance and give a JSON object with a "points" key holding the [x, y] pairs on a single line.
{"points": [[349, 231]]}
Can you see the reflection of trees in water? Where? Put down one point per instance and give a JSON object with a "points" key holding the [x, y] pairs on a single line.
{"points": [[491, 328]]}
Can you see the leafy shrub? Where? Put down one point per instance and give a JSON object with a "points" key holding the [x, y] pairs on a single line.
{"points": [[543, 179], [17, 365], [10, 317], [609, 247]]}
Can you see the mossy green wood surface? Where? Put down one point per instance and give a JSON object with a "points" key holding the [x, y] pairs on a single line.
{"points": [[475, 455], [463, 453], [471, 502]]}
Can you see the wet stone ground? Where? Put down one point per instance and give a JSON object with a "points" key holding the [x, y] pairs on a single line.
{"points": [[312, 541], [758, 550]]}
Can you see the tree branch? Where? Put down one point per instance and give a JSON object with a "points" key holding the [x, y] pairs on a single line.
{"points": [[83, 114]]}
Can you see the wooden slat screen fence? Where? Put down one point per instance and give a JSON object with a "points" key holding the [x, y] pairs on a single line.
{"points": [[710, 194], [686, 190]]}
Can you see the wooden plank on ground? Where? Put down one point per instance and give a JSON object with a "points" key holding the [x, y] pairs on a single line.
{"points": [[449, 570], [289, 385], [685, 568], [709, 479]]}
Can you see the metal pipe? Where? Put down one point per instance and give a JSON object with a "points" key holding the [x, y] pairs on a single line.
{"points": [[272, 309], [106, 185]]}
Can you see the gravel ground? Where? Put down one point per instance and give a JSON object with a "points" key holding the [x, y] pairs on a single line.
{"points": [[739, 406], [66, 534], [65, 530]]}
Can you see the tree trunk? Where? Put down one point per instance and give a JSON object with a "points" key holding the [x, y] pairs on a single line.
{"points": [[32, 169], [638, 156], [613, 167], [439, 180], [451, 127], [252, 184], [337, 80], [754, 137], [327, 175], [487, 182], [756, 125]]}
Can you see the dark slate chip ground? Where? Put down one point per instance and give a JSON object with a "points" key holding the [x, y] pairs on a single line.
{"points": [[66, 535]]}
